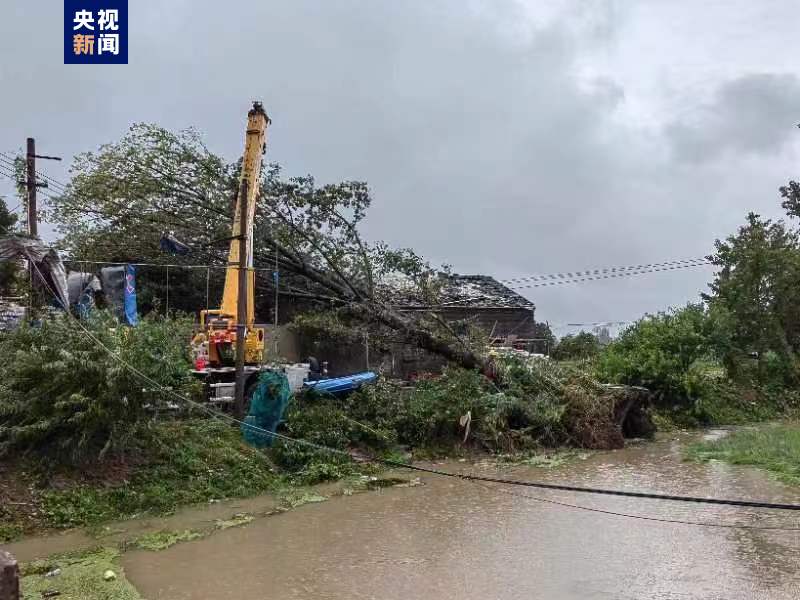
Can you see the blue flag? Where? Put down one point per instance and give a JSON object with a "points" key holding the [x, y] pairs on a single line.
{"points": [[131, 316]]}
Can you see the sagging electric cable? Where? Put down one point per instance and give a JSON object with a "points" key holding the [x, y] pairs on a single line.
{"points": [[615, 275], [535, 281], [463, 476], [50, 181], [601, 270], [634, 516]]}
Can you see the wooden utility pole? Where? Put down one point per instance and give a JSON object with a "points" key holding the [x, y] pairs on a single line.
{"points": [[30, 183], [241, 307], [32, 208]]}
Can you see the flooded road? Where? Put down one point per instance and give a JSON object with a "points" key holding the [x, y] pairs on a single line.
{"points": [[455, 539]]}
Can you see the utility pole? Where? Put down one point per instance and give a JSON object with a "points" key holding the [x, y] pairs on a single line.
{"points": [[32, 209], [30, 162], [241, 307], [31, 185]]}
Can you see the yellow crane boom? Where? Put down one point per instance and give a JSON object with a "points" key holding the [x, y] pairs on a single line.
{"points": [[255, 139], [220, 325]]}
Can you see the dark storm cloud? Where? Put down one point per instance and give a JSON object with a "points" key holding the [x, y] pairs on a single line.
{"points": [[754, 113], [485, 142]]}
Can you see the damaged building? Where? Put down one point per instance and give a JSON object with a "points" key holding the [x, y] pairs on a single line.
{"points": [[479, 301], [503, 314]]}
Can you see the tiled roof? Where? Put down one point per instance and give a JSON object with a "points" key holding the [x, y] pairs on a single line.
{"points": [[482, 291], [471, 291]]}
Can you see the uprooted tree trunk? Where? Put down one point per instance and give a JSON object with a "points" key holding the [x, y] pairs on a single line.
{"points": [[603, 420], [453, 351], [358, 302]]}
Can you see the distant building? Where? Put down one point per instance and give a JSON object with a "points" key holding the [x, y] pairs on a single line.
{"points": [[476, 300], [484, 302]]}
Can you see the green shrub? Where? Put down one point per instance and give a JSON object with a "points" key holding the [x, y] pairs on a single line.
{"points": [[581, 345], [538, 403], [319, 420], [658, 352], [67, 393]]}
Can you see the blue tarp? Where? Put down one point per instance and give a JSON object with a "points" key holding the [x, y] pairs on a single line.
{"points": [[340, 385], [119, 288]]}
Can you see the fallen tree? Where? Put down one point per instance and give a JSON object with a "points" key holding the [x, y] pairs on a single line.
{"points": [[122, 197]]}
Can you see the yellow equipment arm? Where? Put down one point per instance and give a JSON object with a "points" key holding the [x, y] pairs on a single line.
{"points": [[255, 139]]}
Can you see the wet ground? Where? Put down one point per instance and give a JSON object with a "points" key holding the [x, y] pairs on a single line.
{"points": [[455, 539]]}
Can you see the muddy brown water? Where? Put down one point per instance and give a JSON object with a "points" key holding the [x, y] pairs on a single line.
{"points": [[455, 539]]}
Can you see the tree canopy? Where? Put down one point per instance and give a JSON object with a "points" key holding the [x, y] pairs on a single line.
{"points": [[757, 287], [124, 196], [580, 345], [8, 271]]}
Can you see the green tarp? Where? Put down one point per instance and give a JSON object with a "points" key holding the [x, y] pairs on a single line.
{"points": [[267, 405]]}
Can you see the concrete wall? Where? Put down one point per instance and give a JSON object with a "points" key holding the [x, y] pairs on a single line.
{"points": [[398, 359]]}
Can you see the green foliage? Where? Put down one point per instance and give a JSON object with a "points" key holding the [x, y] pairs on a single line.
{"points": [[675, 354], [122, 197], [721, 402], [432, 411], [66, 394], [658, 352], [236, 520], [161, 540], [183, 463], [9, 271], [10, 532], [321, 422], [581, 345], [538, 404], [81, 577], [757, 288], [327, 326], [750, 325], [776, 449]]}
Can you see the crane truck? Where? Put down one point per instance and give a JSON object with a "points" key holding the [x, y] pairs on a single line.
{"points": [[221, 329], [214, 346]]}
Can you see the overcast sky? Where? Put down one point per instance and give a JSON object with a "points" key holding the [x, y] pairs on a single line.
{"points": [[502, 138]]}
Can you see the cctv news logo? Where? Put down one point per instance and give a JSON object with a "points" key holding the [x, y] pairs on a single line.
{"points": [[95, 32]]}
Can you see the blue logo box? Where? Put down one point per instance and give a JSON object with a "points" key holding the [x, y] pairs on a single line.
{"points": [[95, 32]]}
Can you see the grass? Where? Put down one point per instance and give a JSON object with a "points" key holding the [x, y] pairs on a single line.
{"points": [[190, 463], [775, 449], [195, 462], [161, 540], [81, 577]]}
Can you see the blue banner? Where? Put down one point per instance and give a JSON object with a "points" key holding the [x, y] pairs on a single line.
{"points": [[95, 32], [131, 316]]}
